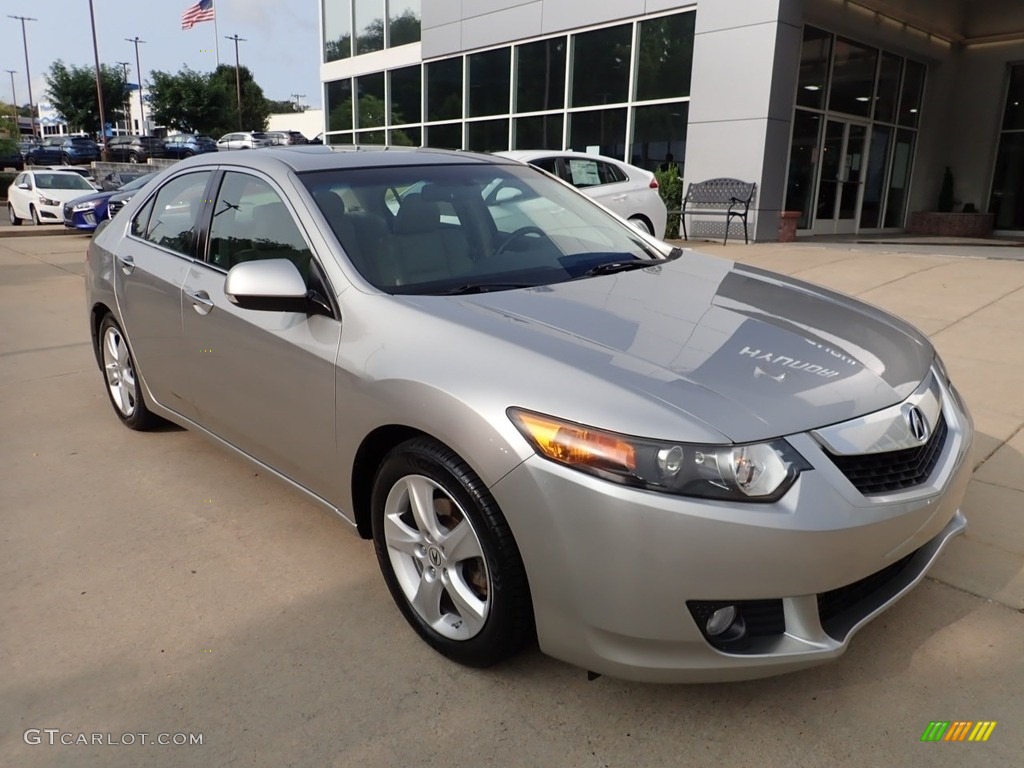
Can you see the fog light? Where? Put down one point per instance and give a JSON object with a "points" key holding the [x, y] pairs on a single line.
{"points": [[720, 621]]}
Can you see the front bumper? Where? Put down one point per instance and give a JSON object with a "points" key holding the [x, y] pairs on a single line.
{"points": [[85, 221], [612, 568]]}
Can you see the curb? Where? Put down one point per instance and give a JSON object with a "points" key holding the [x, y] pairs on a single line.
{"points": [[32, 230]]}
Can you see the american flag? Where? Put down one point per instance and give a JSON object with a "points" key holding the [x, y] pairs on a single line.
{"points": [[201, 11]]}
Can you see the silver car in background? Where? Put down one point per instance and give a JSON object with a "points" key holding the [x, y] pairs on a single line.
{"points": [[243, 140], [656, 464]]}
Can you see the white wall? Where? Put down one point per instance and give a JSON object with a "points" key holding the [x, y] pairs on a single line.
{"points": [[308, 123]]}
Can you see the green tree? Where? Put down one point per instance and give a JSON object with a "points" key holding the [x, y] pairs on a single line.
{"points": [[255, 113], [184, 101], [281, 107], [205, 102], [72, 91]]}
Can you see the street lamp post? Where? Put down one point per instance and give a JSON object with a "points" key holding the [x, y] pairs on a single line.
{"points": [[138, 69], [99, 85], [14, 103], [238, 77], [298, 102], [28, 73], [126, 106]]}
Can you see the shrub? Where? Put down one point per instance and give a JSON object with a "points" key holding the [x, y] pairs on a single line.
{"points": [[670, 187]]}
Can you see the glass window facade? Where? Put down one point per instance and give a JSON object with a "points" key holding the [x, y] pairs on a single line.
{"points": [[1007, 197], [622, 89], [854, 125], [352, 27]]}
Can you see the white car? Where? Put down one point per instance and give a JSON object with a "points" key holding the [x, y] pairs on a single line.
{"points": [[243, 140], [625, 189], [40, 195]]}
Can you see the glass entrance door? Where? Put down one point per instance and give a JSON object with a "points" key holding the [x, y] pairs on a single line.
{"points": [[841, 180]]}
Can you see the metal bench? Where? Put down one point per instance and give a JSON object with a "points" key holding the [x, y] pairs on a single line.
{"points": [[724, 197]]}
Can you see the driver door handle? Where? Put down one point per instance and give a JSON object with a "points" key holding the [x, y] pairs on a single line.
{"points": [[201, 301]]}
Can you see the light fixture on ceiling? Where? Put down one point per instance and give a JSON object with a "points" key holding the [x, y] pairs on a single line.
{"points": [[812, 87]]}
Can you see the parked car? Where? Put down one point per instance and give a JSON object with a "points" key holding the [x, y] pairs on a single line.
{"points": [[134, 149], [184, 145], [10, 156], [82, 170], [116, 179], [39, 195], [63, 150], [120, 198], [284, 138], [243, 140], [629, 191], [663, 465], [87, 212]]}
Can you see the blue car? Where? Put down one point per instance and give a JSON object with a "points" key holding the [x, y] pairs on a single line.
{"points": [[63, 150], [86, 212], [184, 145]]}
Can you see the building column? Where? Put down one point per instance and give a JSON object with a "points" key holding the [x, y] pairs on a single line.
{"points": [[746, 58]]}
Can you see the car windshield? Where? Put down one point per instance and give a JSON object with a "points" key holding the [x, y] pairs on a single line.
{"points": [[136, 183], [62, 181], [442, 229]]}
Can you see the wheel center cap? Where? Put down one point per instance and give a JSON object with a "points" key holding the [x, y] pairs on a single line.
{"points": [[434, 556]]}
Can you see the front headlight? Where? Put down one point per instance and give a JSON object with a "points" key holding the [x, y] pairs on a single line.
{"points": [[88, 206], [48, 201], [753, 472]]}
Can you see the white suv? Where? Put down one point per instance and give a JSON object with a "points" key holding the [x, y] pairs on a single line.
{"points": [[243, 140]]}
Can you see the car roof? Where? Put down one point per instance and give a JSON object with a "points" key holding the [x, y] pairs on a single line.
{"points": [[526, 155], [315, 157]]}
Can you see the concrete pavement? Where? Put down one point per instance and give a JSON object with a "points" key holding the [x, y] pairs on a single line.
{"points": [[154, 583]]}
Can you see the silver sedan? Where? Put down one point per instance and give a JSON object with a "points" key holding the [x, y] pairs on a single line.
{"points": [[655, 464]]}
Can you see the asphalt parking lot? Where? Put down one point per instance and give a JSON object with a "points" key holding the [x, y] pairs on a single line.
{"points": [[153, 583]]}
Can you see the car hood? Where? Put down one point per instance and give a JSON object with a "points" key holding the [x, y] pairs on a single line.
{"points": [[751, 354], [93, 196], [62, 195]]}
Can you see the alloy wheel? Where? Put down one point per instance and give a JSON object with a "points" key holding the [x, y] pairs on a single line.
{"points": [[117, 365], [437, 557]]}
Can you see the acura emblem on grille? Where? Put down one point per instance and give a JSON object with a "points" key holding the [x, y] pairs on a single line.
{"points": [[918, 425]]}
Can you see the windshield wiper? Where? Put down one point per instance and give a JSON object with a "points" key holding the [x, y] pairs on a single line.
{"points": [[484, 288], [611, 267]]}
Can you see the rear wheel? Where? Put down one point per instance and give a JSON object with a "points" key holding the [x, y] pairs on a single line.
{"points": [[123, 386], [15, 220], [642, 224], [65, 160], [448, 556]]}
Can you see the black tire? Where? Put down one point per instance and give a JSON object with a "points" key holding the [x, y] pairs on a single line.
{"points": [[12, 216], [133, 413], [34, 214], [189, 153], [30, 161], [133, 158], [507, 623], [65, 160], [642, 224]]}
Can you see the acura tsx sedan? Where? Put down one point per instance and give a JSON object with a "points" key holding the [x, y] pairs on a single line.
{"points": [[655, 464]]}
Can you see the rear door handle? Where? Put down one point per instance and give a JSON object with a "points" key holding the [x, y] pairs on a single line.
{"points": [[127, 264], [201, 301]]}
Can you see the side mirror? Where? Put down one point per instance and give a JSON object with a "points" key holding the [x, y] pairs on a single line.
{"points": [[271, 285], [24, 185]]}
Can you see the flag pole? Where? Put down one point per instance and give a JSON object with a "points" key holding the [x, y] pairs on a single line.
{"points": [[216, 35]]}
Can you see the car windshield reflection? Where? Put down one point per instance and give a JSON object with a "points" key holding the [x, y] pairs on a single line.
{"points": [[468, 228]]}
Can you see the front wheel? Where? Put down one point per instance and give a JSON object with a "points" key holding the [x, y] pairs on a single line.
{"points": [[35, 215], [14, 218], [123, 386], [65, 160], [133, 158], [448, 556]]}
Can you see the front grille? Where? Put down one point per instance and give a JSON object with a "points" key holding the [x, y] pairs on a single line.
{"points": [[834, 604], [113, 207], [894, 470]]}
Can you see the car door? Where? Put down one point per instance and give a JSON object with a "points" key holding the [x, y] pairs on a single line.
{"points": [[18, 197], [599, 180], [151, 265], [263, 381]]}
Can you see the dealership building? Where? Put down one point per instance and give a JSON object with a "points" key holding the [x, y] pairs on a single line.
{"points": [[847, 111]]}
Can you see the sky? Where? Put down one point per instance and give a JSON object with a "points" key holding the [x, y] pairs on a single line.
{"points": [[282, 47]]}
